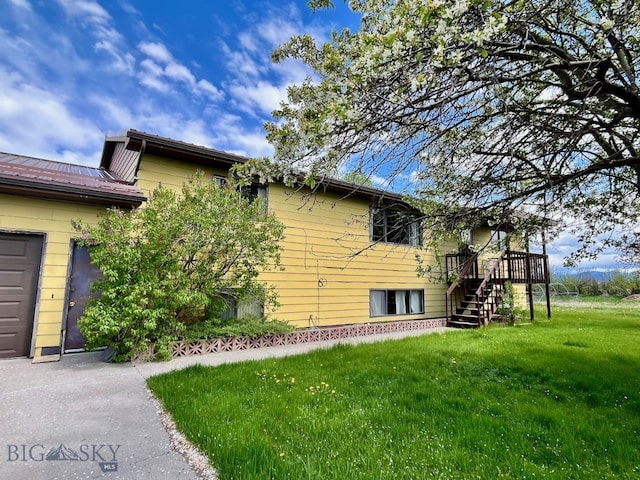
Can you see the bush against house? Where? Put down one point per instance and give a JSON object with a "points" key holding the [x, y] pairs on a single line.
{"points": [[175, 262]]}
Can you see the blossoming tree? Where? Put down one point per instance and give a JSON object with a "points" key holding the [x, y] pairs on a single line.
{"points": [[486, 105]]}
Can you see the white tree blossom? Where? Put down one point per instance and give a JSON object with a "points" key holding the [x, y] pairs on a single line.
{"points": [[500, 105]]}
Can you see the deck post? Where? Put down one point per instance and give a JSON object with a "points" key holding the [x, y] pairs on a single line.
{"points": [[547, 277], [528, 280]]}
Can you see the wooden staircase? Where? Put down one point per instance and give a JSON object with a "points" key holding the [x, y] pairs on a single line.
{"points": [[465, 314], [475, 291], [472, 300]]}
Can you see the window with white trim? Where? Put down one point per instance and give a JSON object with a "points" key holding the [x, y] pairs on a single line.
{"points": [[395, 302], [219, 180], [395, 226]]}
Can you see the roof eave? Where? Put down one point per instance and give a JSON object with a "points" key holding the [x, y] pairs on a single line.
{"points": [[68, 193], [154, 144]]}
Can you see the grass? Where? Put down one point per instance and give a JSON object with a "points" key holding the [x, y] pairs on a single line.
{"points": [[556, 400]]}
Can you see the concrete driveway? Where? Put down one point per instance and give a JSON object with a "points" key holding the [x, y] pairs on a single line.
{"points": [[81, 418]]}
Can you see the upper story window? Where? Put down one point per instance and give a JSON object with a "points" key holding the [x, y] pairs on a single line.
{"points": [[395, 226], [500, 238], [219, 180], [250, 192], [253, 191]]}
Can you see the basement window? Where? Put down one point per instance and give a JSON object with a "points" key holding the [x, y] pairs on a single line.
{"points": [[395, 302], [236, 309]]}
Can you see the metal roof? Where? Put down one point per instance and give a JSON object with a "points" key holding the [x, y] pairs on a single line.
{"points": [[37, 177]]}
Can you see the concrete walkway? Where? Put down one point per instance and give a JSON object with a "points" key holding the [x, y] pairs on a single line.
{"points": [[81, 418]]}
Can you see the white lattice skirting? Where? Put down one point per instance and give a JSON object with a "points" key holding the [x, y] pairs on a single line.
{"points": [[181, 349]]}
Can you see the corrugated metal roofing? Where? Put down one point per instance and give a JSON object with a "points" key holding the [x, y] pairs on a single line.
{"points": [[32, 162], [41, 177]]}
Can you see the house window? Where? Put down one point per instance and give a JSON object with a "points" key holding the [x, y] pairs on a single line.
{"points": [[499, 238], [241, 309], [249, 192], [395, 302], [395, 226], [231, 308], [219, 181], [253, 191]]}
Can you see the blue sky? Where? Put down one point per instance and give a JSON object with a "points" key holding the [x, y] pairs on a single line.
{"points": [[72, 71]]}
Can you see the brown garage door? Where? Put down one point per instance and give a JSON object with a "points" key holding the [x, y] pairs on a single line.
{"points": [[19, 269]]}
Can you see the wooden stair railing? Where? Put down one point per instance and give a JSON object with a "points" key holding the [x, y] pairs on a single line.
{"points": [[471, 302], [489, 292], [462, 284]]}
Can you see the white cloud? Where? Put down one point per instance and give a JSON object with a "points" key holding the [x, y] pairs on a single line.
{"points": [[63, 86], [116, 114], [276, 32], [161, 68], [565, 243], [108, 39], [292, 71], [154, 83], [208, 88], [122, 62], [156, 51], [130, 9], [38, 122], [263, 95], [87, 10], [250, 144], [180, 73], [24, 4], [248, 42], [241, 62], [256, 85]]}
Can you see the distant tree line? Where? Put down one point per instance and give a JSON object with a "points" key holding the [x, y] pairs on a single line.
{"points": [[616, 283]]}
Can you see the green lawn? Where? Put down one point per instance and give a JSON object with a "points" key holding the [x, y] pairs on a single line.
{"points": [[557, 399]]}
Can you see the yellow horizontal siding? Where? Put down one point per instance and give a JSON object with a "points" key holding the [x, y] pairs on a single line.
{"points": [[172, 174], [327, 237]]}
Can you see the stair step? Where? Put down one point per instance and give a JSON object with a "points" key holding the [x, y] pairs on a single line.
{"points": [[461, 324], [469, 310], [465, 317]]}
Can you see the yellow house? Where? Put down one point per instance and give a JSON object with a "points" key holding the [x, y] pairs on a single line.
{"points": [[349, 252], [333, 257]]}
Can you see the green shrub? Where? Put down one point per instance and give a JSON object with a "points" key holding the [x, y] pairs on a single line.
{"points": [[508, 309], [170, 263], [622, 284], [247, 327]]}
